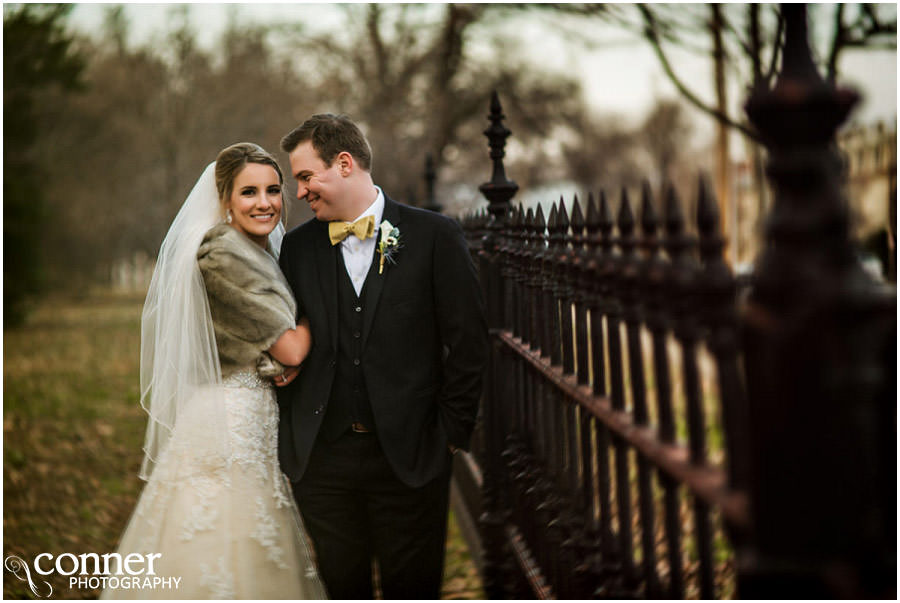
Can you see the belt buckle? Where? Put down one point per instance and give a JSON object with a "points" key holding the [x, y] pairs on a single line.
{"points": [[358, 427]]}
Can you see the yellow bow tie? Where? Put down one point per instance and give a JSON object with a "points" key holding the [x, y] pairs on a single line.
{"points": [[362, 228]]}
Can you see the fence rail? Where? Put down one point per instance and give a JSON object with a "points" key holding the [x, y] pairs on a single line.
{"points": [[652, 430]]}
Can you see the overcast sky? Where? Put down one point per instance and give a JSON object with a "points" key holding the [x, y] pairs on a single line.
{"points": [[623, 76]]}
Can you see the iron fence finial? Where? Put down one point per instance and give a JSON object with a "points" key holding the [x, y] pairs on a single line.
{"points": [[649, 221], [625, 220], [499, 190], [816, 330]]}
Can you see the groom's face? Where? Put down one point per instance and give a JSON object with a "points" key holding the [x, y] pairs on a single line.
{"points": [[323, 187]]}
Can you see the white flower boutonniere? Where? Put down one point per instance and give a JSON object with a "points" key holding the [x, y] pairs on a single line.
{"points": [[388, 244]]}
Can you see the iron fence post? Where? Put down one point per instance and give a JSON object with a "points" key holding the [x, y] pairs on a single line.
{"points": [[498, 191], [820, 340]]}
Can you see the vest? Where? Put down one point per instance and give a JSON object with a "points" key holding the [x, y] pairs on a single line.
{"points": [[349, 400]]}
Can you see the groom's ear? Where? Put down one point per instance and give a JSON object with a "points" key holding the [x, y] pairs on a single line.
{"points": [[345, 163]]}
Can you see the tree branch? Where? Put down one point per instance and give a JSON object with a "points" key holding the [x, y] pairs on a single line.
{"points": [[837, 43], [651, 35], [755, 50], [776, 49], [373, 23]]}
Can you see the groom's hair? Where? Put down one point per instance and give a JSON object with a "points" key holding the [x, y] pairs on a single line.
{"points": [[330, 135]]}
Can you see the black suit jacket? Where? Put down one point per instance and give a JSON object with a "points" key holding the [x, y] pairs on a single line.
{"points": [[424, 343]]}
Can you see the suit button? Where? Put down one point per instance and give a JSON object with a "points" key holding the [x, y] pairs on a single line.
{"points": [[359, 308], [357, 334], [320, 409], [334, 363], [356, 362]]}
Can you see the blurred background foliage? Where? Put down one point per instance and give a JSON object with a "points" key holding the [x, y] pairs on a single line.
{"points": [[105, 136], [37, 59]]}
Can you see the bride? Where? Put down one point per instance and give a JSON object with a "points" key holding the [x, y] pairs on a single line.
{"points": [[218, 326]]}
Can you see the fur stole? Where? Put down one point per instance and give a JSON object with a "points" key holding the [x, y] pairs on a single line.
{"points": [[250, 301]]}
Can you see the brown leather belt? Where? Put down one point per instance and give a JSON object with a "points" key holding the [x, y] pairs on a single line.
{"points": [[358, 427]]}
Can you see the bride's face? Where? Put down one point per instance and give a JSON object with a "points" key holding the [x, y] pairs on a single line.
{"points": [[255, 203]]}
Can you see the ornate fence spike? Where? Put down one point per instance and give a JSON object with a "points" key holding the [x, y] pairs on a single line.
{"points": [[552, 219], [518, 217], [560, 226], [625, 220], [539, 221], [721, 317], [676, 242], [516, 229], [539, 253], [577, 223], [592, 220], [686, 315], [521, 231], [565, 290], [499, 190], [649, 221], [562, 221], [551, 272], [593, 290], [708, 225], [530, 249], [546, 288], [605, 221], [529, 220], [580, 283], [523, 222]]}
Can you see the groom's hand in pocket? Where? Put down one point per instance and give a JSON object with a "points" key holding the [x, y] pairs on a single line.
{"points": [[290, 373]]}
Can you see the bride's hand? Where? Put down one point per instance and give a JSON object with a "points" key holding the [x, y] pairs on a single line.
{"points": [[290, 373]]}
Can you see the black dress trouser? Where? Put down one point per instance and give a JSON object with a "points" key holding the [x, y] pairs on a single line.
{"points": [[355, 509]]}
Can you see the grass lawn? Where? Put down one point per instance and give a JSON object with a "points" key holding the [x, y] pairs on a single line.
{"points": [[72, 435]]}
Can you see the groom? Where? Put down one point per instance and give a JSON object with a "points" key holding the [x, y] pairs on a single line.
{"points": [[391, 387]]}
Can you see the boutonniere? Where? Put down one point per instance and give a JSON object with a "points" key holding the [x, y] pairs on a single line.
{"points": [[388, 244]]}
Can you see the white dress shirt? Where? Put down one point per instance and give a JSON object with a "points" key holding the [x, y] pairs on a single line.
{"points": [[358, 254]]}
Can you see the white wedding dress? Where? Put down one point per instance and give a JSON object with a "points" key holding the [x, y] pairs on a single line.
{"points": [[216, 514], [229, 531]]}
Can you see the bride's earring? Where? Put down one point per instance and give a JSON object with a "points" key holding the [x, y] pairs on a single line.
{"points": [[228, 217]]}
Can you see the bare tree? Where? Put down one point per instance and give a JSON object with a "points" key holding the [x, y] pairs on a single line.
{"points": [[408, 75], [127, 151], [39, 59], [754, 34], [665, 135]]}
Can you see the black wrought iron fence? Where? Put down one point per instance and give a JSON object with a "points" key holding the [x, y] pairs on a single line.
{"points": [[649, 432]]}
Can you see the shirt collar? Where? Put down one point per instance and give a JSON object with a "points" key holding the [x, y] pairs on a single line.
{"points": [[376, 209]]}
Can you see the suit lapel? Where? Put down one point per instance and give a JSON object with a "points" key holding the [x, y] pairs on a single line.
{"points": [[375, 283], [326, 262]]}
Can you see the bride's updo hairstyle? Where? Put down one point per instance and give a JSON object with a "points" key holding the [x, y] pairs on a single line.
{"points": [[231, 161]]}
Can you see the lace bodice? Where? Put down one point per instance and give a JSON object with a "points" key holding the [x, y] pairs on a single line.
{"points": [[253, 424]]}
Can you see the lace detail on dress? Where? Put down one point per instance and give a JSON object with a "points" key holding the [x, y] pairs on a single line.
{"points": [[280, 490], [219, 582], [203, 516], [266, 534], [253, 424]]}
